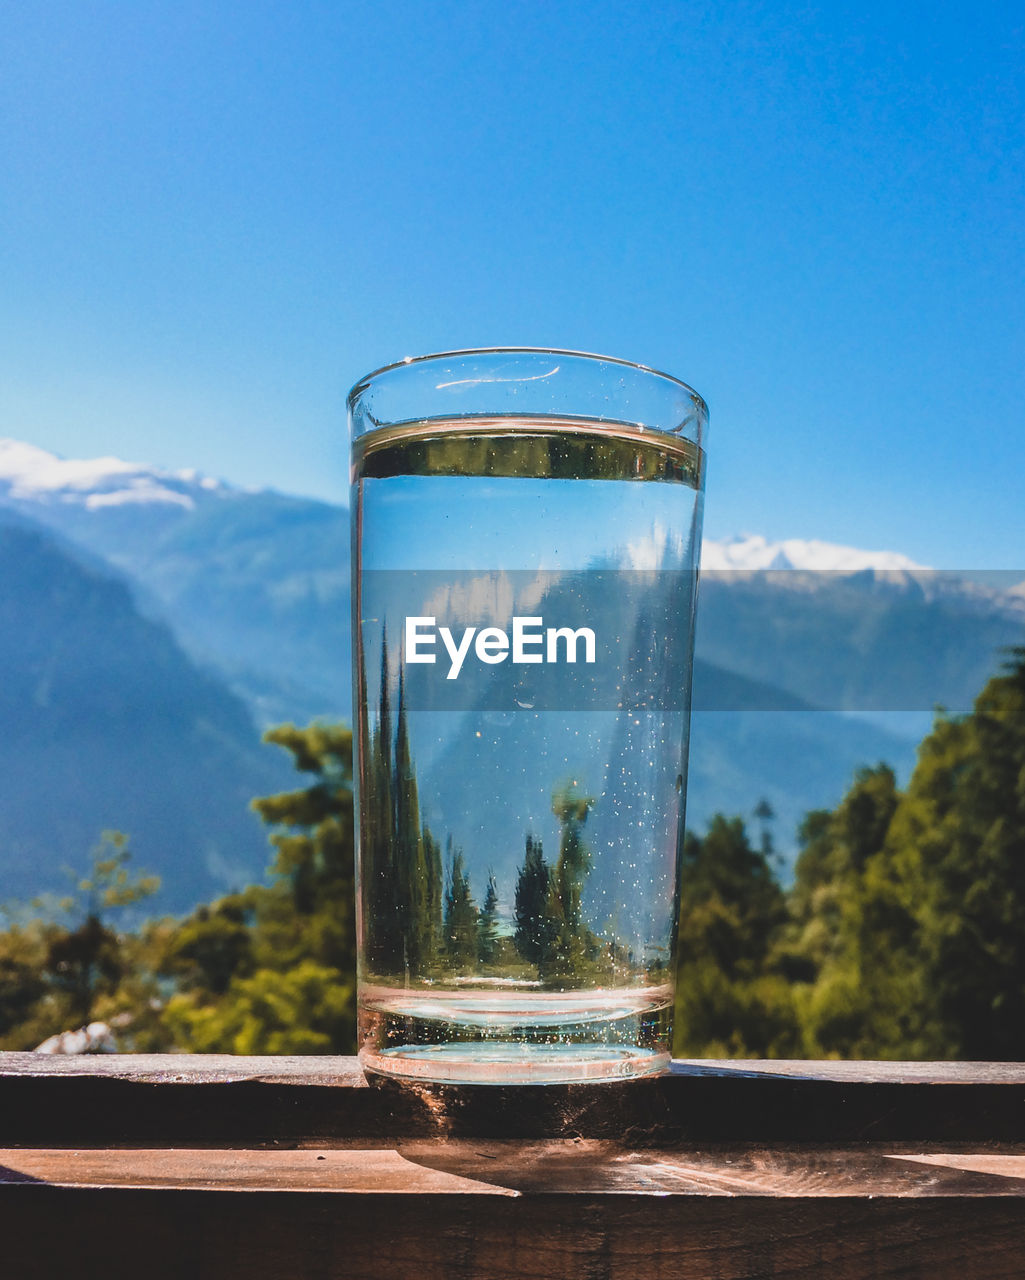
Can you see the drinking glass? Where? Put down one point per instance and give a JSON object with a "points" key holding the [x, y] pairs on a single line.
{"points": [[526, 529]]}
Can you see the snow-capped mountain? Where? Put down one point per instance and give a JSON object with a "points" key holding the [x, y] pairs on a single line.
{"points": [[255, 588], [254, 584], [29, 474], [751, 551]]}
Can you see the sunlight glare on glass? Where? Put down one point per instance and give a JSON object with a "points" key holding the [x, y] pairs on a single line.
{"points": [[476, 382]]}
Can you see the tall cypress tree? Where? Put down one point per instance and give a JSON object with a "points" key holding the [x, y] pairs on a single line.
{"points": [[487, 929], [531, 903], [460, 915], [409, 861], [379, 873], [569, 937], [434, 895], [574, 855]]}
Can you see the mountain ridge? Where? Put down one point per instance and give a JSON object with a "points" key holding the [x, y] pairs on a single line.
{"points": [[255, 587], [31, 474], [107, 724]]}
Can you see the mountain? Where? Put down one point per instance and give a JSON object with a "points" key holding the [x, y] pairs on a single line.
{"points": [[108, 724], [750, 551], [868, 632], [506, 736], [811, 658], [30, 474], [871, 641], [255, 584]]}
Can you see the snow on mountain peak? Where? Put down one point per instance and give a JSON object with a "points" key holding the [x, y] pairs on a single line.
{"points": [[31, 474], [753, 551]]}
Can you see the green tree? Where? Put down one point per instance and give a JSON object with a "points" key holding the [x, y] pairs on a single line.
{"points": [[412, 892], [853, 947], [24, 1018], [487, 925], [87, 961], [909, 909], [63, 963], [310, 912], [83, 963], [730, 1000], [531, 904], [567, 941], [212, 946], [272, 970], [957, 852], [460, 915], [765, 814], [306, 1009]]}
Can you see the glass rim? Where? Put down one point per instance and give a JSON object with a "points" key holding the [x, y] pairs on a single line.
{"points": [[361, 384]]}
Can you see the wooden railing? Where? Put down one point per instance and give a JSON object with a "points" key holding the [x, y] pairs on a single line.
{"points": [[197, 1167]]}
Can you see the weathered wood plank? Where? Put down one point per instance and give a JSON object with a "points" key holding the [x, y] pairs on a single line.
{"points": [[220, 1101], [189, 1068], [209, 1235], [570, 1168], [352, 1171], [346, 1071], [302, 1168]]}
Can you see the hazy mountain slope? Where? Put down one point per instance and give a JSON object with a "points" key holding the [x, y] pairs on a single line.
{"points": [[867, 641], [254, 584], [106, 723], [259, 585], [797, 760]]}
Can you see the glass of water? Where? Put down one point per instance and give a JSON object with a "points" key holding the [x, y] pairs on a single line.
{"points": [[526, 530]]}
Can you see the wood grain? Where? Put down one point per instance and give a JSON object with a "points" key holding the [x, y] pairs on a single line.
{"points": [[570, 1168], [52, 1231], [304, 1169], [148, 1100]]}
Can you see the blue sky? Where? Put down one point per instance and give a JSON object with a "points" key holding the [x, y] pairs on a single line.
{"points": [[215, 217]]}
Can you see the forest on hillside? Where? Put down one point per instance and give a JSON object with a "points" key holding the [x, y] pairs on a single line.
{"points": [[902, 934]]}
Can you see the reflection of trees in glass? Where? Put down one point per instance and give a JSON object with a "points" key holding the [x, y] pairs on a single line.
{"points": [[574, 855], [487, 927], [461, 914], [416, 921], [532, 903], [570, 943], [550, 931], [420, 919], [378, 869], [433, 906], [410, 865], [401, 858]]}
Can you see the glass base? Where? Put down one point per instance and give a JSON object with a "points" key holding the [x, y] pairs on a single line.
{"points": [[513, 1063], [526, 1037]]}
